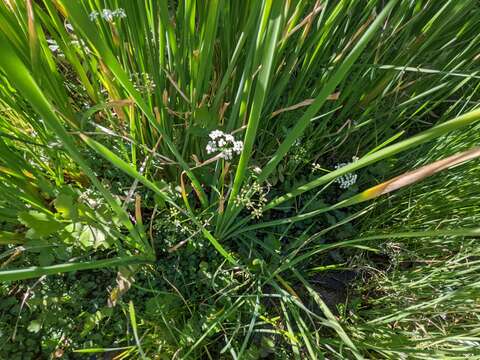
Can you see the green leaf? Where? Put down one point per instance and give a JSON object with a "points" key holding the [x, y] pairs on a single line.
{"points": [[133, 322], [39, 224], [205, 118], [37, 271], [7, 237], [65, 205], [164, 303], [91, 321], [46, 257], [268, 52], [87, 235], [124, 166], [93, 237], [34, 326]]}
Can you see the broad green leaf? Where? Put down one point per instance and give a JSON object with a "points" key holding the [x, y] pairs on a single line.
{"points": [[40, 224], [34, 326], [88, 236], [92, 237], [65, 205], [94, 320], [7, 237], [46, 258]]}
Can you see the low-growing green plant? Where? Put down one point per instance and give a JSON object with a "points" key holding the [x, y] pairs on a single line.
{"points": [[223, 156]]}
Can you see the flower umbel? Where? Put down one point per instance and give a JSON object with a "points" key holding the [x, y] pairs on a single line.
{"points": [[254, 198], [224, 143], [108, 15], [347, 180]]}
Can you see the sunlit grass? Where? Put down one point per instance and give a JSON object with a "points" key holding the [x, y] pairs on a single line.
{"points": [[346, 127]]}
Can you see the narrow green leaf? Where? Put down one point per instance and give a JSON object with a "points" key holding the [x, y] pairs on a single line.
{"points": [[328, 89], [133, 322], [81, 21], [21, 77], [37, 271]]}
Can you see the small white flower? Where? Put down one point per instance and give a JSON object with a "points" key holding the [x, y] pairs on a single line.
{"points": [[316, 167], [227, 154], [120, 13], [211, 147], [108, 15], [53, 46], [80, 44], [257, 213], [215, 134], [238, 146], [143, 82], [93, 15], [69, 27]]}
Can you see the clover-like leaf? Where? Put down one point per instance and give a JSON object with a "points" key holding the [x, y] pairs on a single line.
{"points": [[66, 206]]}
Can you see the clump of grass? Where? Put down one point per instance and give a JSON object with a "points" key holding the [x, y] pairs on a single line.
{"points": [[203, 150], [423, 303]]}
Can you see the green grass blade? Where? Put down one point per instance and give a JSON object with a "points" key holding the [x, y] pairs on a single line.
{"points": [[82, 22], [133, 322], [259, 96], [37, 271], [435, 132], [20, 76], [328, 89]]}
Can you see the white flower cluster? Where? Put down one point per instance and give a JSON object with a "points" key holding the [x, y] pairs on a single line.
{"points": [[175, 220], [299, 152], [347, 180], [108, 14], [55, 48], [79, 43], [224, 143], [69, 27]]}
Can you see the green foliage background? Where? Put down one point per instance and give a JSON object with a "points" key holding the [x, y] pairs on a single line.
{"points": [[121, 234]]}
